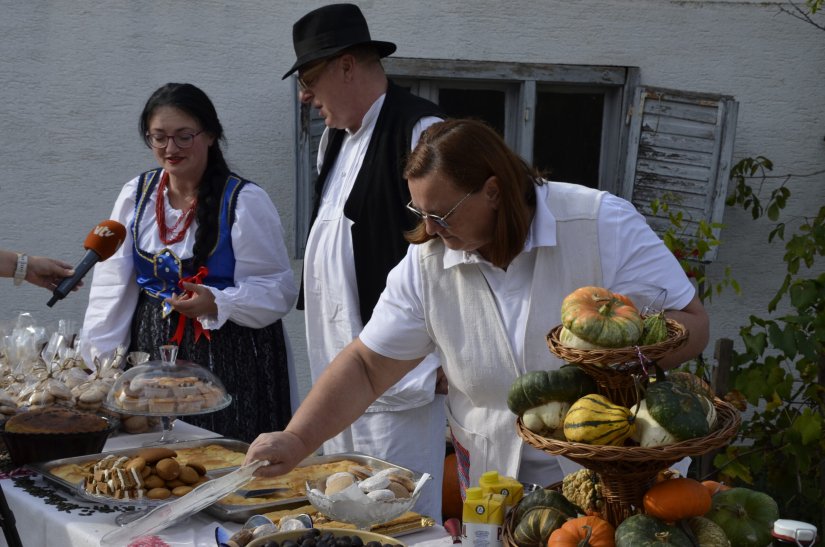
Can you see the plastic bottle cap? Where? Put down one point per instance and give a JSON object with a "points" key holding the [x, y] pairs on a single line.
{"points": [[794, 530], [474, 493], [488, 477]]}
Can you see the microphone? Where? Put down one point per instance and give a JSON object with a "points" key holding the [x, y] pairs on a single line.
{"points": [[100, 244]]}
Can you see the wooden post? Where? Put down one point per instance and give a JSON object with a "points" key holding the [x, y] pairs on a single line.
{"points": [[723, 354]]}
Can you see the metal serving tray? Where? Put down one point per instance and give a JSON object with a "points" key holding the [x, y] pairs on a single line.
{"points": [[240, 513], [44, 468]]}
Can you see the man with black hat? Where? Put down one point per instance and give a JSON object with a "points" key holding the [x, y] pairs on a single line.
{"points": [[358, 221]]}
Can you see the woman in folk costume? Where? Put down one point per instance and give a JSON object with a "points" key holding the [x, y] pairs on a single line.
{"points": [[204, 266]]}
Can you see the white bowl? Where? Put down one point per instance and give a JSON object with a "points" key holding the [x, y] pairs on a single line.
{"points": [[354, 507]]}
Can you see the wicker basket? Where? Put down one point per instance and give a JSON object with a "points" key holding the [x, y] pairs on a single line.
{"points": [[614, 369], [627, 472], [507, 529]]}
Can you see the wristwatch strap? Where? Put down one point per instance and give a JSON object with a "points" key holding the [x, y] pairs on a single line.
{"points": [[20, 270]]}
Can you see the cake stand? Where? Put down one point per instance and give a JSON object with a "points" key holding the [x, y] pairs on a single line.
{"points": [[167, 389]]}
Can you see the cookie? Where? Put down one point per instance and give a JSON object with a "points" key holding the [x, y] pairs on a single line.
{"points": [[338, 481], [405, 482], [158, 493], [381, 495], [361, 472], [152, 455], [398, 490], [376, 482]]}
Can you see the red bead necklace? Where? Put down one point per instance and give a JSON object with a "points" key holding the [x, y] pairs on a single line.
{"points": [[168, 236]]}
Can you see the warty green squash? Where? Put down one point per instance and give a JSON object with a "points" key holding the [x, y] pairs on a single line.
{"points": [[594, 419], [707, 532]]}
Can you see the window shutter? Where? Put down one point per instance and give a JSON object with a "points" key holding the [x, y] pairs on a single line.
{"points": [[310, 126], [681, 144]]}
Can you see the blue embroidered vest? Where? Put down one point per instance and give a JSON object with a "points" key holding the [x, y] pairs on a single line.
{"points": [[158, 274]]}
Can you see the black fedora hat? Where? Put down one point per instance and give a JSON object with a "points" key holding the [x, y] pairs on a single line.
{"points": [[327, 30]]}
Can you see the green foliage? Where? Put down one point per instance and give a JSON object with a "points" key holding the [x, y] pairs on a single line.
{"points": [[692, 249], [781, 372]]}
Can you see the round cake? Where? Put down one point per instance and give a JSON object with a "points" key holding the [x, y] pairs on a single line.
{"points": [[55, 419]]}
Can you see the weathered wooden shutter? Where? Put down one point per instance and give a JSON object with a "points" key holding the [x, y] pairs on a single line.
{"points": [[680, 148], [310, 126]]}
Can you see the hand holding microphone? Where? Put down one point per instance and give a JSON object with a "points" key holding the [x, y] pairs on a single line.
{"points": [[100, 244]]}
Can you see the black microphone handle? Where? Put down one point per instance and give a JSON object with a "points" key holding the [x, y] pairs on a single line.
{"points": [[68, 283]]}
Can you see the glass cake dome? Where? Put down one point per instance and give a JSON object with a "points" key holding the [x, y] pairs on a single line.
{"points": [[168, 387]]}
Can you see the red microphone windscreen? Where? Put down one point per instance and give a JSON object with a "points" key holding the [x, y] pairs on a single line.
{"points": [[105, 238]]}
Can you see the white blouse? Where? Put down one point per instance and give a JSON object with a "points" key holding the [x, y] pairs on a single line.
{"points": [[264, 289]]}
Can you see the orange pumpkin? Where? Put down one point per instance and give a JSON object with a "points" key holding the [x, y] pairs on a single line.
{"points": [[589, 531], [451, 502], [601, 317], [677, 499], [714, 486]]}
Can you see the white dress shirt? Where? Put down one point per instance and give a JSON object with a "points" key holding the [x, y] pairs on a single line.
{"points": [[331, 303]]}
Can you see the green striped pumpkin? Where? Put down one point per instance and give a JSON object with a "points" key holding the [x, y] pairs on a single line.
{"points": [[593, 419]]}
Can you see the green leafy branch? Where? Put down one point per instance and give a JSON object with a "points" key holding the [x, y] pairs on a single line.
{"points": [[780, 375], [692, 249]]}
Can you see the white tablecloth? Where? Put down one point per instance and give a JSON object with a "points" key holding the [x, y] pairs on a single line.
{"points": [[65, 520]]}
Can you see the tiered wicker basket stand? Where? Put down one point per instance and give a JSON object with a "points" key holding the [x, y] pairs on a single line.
{"points": [[626, 472]]}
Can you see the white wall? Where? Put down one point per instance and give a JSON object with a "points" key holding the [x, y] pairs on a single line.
{"points": [[74, 77]]}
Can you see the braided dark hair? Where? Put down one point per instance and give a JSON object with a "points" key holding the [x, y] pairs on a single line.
{"points": [[193, 101]]}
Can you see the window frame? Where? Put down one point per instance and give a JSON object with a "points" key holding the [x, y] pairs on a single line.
{"points": [[522, 82]]}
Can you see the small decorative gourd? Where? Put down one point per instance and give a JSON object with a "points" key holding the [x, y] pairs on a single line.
{"points": [[655, 329], [707, 532], [535, 527], [588, 531], [584, 488], [593, 419], [545, 497]]}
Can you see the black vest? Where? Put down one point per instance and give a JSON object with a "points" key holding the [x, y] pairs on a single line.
{"points": [[377, 203]]}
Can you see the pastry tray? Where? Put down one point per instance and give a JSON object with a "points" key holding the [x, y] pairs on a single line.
{"points": [[240, 513], [45, 468], [221, 511]]}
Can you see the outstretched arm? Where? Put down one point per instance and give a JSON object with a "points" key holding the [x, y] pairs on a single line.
{"points": [[40, 270], [695, 319], [354, 379]]}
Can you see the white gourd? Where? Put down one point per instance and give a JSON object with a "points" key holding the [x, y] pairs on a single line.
{"points": [[546, 417], [710, 411], [567, 338], [648, 431]]}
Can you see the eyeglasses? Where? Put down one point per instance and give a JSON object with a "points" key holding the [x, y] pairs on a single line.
{"points": [[440, 220], [309, 77], [159, 140]]}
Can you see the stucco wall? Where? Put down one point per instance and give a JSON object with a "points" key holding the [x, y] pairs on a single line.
{"points": [[75, 75]]}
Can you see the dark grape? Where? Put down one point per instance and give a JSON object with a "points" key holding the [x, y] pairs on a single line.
{"points": [[316, 538]]}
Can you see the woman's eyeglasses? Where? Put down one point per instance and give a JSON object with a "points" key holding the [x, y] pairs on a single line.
{"points": [[438, 219], [159, 140]]}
